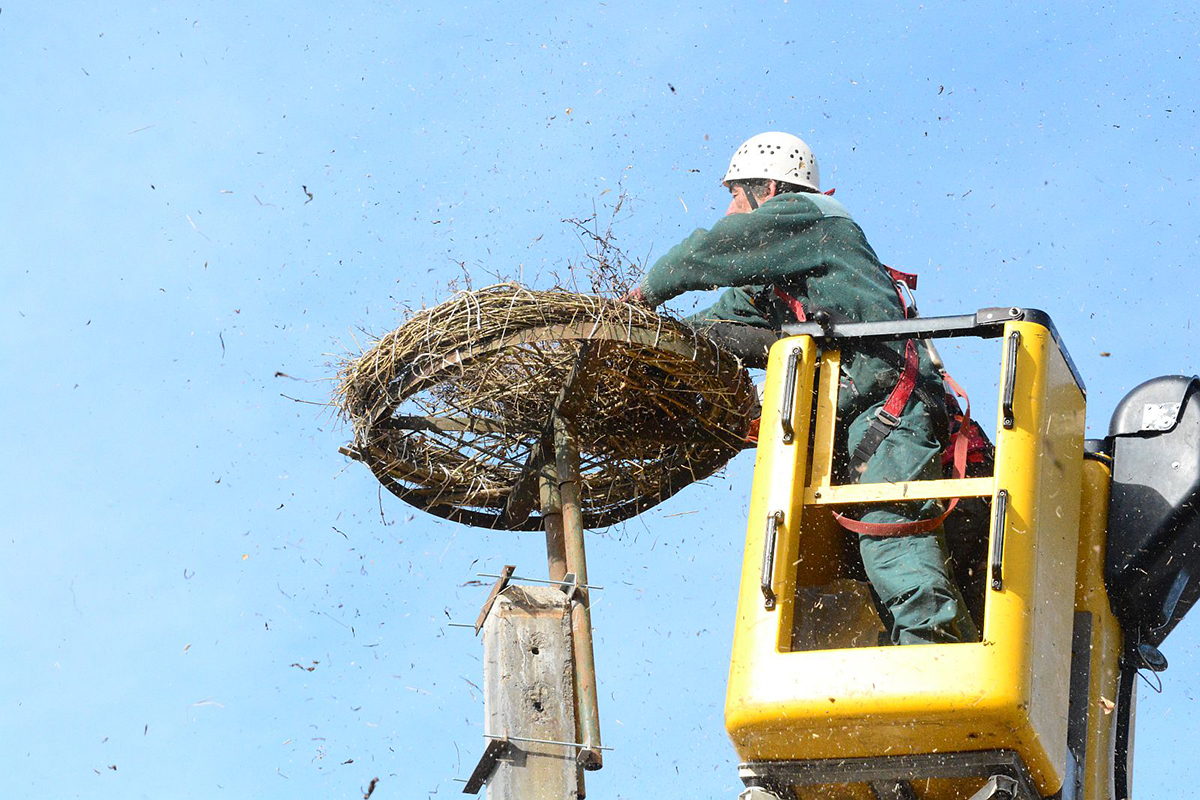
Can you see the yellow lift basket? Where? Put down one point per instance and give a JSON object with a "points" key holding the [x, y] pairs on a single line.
{"points": [[813, 698]]}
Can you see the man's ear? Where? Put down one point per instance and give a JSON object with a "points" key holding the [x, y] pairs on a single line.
{"points": [[772, 190]]}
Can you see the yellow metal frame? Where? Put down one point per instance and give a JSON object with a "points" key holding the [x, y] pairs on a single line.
{"points": [[1106, 638], [1010, 690]]}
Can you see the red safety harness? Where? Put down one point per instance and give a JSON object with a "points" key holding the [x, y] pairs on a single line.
{"points": [[887, 419]]}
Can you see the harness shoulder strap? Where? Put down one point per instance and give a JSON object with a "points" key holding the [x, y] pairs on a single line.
{"points": [[922, 525], [793, 304], [888, 416], [909, 279]]}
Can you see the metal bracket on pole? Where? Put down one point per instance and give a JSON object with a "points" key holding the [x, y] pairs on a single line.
{"points": [[487, 763], [570, 585], [500, 585]]}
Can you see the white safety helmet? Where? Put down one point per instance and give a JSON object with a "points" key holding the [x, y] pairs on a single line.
{"points": [[775, 156]]}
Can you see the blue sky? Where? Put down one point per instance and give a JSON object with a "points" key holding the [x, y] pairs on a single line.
{"points": [[182, 530]]}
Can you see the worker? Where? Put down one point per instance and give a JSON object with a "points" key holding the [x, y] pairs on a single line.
{"points": [[787, 252]]}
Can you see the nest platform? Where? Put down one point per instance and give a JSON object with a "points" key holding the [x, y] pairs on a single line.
{"points": [[453, 411]]}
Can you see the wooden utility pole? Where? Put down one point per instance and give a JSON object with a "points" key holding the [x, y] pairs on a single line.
{"points": [[528, 695]]}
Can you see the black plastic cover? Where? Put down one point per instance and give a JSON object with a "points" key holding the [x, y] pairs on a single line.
{"points": [[1152, 567]]}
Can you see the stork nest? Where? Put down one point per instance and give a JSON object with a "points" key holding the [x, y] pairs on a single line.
{"points": [[452, 411]]}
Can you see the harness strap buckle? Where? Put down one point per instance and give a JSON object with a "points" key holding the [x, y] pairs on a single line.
{"points": [[887, 418]]}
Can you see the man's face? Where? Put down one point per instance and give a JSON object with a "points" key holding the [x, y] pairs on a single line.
{"points": [[738, 203]]}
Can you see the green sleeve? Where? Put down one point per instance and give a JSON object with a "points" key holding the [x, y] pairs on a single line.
{"points": [[734, 305], [739, 249]]}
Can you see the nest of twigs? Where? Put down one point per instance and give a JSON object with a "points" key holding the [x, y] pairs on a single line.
{"points": [[452, 410]]}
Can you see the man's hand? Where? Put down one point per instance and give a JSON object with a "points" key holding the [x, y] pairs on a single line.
{"points": [[636, 296]]}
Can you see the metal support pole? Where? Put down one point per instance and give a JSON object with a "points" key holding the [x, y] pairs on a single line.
{"points": [[587, 712], [552, 519]]}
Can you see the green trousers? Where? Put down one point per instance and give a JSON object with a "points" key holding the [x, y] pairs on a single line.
{"points": [[910, 574]]}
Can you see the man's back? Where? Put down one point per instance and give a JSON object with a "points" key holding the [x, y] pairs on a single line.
{"points": [[786, 252], [804, 246]]}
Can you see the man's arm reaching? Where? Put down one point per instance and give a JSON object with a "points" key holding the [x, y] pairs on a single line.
{"points": [[738, 250]]}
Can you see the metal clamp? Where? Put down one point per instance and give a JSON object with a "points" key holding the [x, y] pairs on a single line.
{"points": [[789, 396], [997, 560], [1010, 380], [570, 585], [774, 520]]}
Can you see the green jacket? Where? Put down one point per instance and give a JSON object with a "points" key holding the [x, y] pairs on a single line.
{"points": [[810, 247]]}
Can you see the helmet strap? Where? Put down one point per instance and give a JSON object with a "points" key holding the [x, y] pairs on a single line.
{"points": [[750, 197]]}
